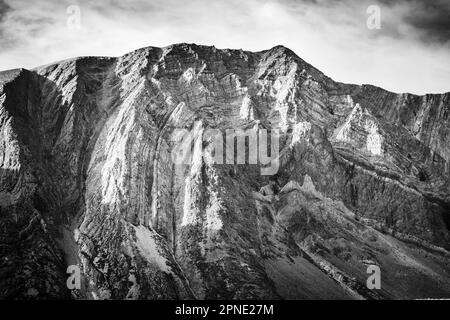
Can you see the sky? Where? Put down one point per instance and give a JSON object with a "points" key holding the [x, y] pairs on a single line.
{"points": [[402, 46]]}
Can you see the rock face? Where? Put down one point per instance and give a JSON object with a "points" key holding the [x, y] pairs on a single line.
{"points": [[88, 178]]}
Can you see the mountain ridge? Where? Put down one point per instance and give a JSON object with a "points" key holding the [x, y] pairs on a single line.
{"points": [[87, 179], [226, 49], [229, 49]]}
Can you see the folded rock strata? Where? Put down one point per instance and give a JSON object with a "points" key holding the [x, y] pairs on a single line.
{"points": [[87, 178]]}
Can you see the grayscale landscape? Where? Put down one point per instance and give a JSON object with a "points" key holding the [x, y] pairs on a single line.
{"points": [[88, 179]]}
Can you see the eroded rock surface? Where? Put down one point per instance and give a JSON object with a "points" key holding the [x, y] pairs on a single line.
{"points": [[88, 178]]}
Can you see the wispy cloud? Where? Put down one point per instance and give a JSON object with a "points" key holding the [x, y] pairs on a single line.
{"points": [[411, 51]]}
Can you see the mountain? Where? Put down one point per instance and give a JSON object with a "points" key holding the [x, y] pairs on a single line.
{"points": [[88, 178]]}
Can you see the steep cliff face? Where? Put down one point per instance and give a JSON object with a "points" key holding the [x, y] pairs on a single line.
{"points": [[88, 177]]}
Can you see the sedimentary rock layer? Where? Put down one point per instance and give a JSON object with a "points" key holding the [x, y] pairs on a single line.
{"points": [[88, 178]]}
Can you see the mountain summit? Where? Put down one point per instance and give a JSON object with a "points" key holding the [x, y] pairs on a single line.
{"points": [[88, 179]]}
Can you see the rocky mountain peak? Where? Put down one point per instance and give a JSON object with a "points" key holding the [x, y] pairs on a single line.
{"points": [[360, 177]]}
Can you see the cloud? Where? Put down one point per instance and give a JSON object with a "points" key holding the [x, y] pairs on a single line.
{"points": [[411, 51], [429, 19], [4, 8]]}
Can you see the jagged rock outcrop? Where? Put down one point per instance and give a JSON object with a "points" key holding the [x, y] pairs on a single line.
{"points": [[88, 178]]}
